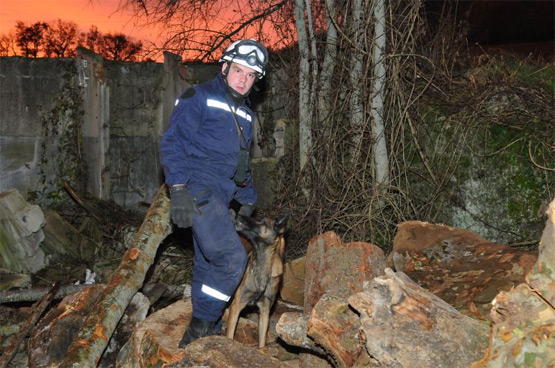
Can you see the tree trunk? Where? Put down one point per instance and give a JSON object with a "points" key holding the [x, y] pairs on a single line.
{"points": [[28, 295], [126, 280], [381, 159], [356, 78], [328, 65], [305, 111]]}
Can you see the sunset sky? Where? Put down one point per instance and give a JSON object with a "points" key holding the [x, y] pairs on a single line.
{"points": [[492, 21], [102, 13]]}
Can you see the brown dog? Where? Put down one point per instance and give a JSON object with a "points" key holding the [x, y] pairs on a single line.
{"points": [[262, 277]]}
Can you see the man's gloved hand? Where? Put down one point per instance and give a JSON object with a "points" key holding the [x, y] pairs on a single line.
{"points": [[182, 207], [246, 210]]}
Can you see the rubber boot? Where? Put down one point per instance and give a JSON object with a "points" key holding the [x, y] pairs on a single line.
{"points": [[197, 328]]}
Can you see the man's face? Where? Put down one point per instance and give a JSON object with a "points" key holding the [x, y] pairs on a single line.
{"points": [[239, 77]]}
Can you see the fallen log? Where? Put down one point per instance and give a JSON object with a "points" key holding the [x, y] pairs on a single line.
{"points": [[38, 309], [34, 294], [54, 333], [127, 279]]}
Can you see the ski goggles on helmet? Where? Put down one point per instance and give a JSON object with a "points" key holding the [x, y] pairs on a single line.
{"points": [[249, 53]]}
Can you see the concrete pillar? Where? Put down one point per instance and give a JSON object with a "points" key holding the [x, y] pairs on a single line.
{"points": [[96, 125], [174, 82]]}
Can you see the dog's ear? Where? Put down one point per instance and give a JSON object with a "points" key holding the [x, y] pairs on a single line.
{"points": [[280, 223]]}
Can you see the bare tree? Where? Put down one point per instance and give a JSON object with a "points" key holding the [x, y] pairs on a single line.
{"points": [[356, 75], [7, 44], [118, 46], [91, 38], [112, 46], [30, 39], [380, 154], [303, 22], [61, 39], [199, 29]]}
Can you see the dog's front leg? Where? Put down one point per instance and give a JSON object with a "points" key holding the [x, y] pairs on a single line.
{"points": [[233, 316], [264, 306]]}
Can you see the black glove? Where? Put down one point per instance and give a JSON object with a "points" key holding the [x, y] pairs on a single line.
{"points": [[182, 207], [246, 210]]}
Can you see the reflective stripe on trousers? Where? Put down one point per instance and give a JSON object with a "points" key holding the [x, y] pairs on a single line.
{"points": [[219, 260]]}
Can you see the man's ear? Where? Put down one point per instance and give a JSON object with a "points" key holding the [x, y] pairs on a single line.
{"points": [[225, 68]]}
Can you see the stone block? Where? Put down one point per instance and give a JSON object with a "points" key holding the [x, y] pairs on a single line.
{"points": [[292, 290], [20, 234], [339, 269]]}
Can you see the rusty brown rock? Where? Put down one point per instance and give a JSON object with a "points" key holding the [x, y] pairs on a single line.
{"points": [[542, 277], [154, 341], [523, 332], [457, 265], [335, 326], [292, 328], [337, 268], [404, 325], [219, 351]]}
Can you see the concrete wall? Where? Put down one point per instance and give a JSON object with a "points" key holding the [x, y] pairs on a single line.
{"points": [[126, 109], [28, 87]]}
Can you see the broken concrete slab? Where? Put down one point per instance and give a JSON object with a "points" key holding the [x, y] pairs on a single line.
{"points": [[21, 234]]}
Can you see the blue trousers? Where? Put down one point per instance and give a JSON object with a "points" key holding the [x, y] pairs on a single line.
{"points": [[219, 260]]}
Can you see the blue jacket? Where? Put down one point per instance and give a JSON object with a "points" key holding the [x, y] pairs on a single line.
{"points": [[201, 146]]}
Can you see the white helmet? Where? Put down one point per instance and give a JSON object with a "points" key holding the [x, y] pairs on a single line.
{"points": [[249, 53]]}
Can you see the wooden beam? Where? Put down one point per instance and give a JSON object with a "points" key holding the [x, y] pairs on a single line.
{"points": [[127, 279], [38, 309]]}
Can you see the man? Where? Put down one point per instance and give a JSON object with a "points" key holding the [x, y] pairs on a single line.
{"points": [[205, 154]]}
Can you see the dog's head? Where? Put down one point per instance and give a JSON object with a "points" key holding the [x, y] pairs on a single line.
{"points": [[261, 231]]}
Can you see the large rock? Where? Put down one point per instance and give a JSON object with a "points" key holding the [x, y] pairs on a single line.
{"points": [[542, 276], [214, 352], [154, 343], [339, 269], [64, 242], [335, 326], [404, 325], [523, 332], [460, 267], [292, 289], [20, 234]]}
